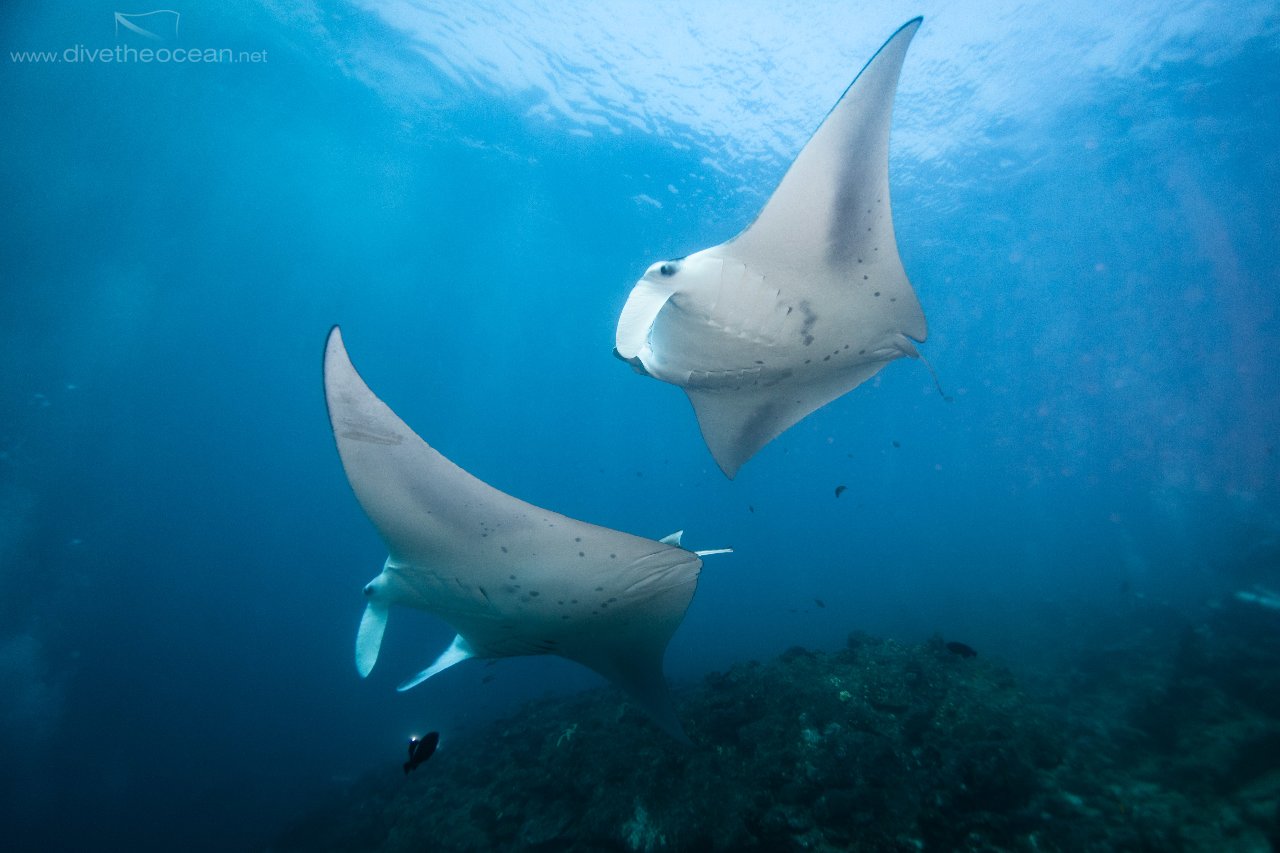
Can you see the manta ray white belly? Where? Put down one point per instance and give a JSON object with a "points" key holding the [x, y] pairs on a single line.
{"points": [[511, 578], [807, 303]]}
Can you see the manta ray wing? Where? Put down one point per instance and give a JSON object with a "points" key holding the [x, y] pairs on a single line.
{"points": [[511, 578], [808, 302]]}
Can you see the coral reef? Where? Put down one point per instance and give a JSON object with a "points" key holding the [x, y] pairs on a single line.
{"points": [[878, 746]]}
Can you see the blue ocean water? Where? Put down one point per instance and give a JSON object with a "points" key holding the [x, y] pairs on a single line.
{"points": [[1084, 200]]}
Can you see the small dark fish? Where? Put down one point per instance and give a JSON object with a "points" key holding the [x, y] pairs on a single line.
{"points": [[961, 649], [420, 749], [818, 601], [750, 508], [840, 490], [896, 444]]}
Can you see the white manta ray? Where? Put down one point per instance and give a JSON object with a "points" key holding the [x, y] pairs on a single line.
{"points": [[509, 577], [807, 303]]}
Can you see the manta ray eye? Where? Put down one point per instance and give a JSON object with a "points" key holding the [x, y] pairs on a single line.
{"points": [[669, 268]]}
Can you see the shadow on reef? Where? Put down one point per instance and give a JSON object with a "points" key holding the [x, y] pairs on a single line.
{"points": [[879, 746]]}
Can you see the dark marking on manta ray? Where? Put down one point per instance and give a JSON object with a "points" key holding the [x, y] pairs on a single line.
{"points": [[809, 319], [840, 490], [367, 437]]}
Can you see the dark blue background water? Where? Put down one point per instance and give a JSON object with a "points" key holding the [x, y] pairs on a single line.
{"points": [[1086, 207]]}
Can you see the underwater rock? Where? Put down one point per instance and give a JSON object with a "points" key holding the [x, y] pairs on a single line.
{"points": [[874, 745], [878, 746]]}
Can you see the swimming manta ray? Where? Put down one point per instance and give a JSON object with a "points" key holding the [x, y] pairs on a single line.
{"points": [[509, 577], [807, 303]]}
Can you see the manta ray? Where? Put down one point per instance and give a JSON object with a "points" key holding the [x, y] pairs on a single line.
{"points": [[807, 303], [511, 578]]}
